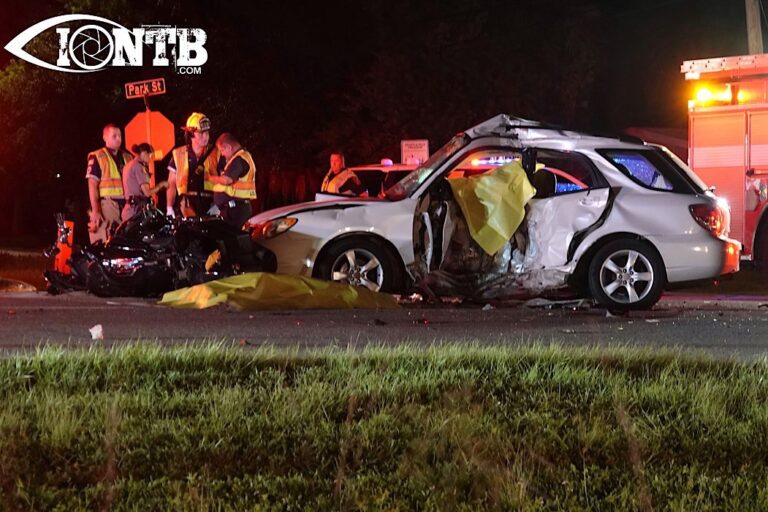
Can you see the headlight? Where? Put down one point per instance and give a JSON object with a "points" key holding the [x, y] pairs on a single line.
{"points": [[272, 228]]}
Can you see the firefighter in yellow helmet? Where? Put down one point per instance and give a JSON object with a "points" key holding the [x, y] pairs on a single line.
{"points": [[190, 169], [105, 184], [236, 186]]}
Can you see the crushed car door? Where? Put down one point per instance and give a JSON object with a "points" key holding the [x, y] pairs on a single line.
{"points": [[571, 198], [438, 216]]}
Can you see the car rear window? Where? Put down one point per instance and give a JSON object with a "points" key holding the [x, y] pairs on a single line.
{"points": [[650, 168]]}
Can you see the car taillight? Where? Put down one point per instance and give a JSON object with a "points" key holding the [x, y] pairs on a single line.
{"points": [[710, 216]]}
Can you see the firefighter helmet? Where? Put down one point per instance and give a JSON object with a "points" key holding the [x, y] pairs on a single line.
{"points": [[197, 122]]}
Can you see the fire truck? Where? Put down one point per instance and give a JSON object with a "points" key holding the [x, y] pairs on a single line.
{"points": [[728, 140]]}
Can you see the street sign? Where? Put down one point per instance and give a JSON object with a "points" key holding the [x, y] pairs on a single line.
{"points": [[144, 88], [152, 127], [414, 151], [155, 128]]}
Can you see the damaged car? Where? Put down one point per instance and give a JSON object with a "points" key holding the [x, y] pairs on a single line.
{"points": [[514, 205]]}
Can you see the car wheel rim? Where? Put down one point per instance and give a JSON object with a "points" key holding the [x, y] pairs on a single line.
{"points": [[626, 276], [358, 267]]}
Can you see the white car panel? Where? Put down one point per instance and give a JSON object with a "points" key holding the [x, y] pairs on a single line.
{"points": [[624, 209]]}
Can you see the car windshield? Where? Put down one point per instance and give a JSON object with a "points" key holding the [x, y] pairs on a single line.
{"points": [[410, 183]]}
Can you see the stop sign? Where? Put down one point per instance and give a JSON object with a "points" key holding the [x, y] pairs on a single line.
{"points": [[152, 127]]}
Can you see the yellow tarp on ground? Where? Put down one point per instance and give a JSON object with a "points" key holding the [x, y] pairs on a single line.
{"points": [[260, 290], [493, 204]]}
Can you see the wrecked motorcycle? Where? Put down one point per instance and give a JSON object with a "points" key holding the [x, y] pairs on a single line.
{"points": [[150, 254]]}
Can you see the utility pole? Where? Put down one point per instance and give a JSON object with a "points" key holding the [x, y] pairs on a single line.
{"points": [[754, 30]]}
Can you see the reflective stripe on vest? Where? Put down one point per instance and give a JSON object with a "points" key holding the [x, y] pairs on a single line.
{"points": [[111, 182], [181, 161], [334, 184], [245, 187]]}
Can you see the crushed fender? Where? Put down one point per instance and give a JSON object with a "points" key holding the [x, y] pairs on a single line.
{"points": [[265, 291]]}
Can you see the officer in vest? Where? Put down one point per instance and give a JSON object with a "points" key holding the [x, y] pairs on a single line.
{"points": [[105, 184], [234, 188], [341, 180], [190, 169]]}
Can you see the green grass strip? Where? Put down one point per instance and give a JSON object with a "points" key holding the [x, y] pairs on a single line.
{"points": [[406, 428]]}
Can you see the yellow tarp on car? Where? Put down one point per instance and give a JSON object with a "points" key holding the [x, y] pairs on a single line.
{"points": [[261, 290], [493, 204]]}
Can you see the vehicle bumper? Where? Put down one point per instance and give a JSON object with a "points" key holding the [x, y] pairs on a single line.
{"points": [[706, 257], [295, 252], [732, 256]]}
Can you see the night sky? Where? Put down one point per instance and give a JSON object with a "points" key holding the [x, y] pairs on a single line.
{"points": [[296, 79]]}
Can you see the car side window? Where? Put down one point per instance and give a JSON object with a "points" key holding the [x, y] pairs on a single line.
{"points": [[571, 172], [645, 167], [557, 172], [482, 161]]}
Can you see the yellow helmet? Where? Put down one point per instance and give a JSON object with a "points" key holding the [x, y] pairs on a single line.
{"points": [[197, 122]]}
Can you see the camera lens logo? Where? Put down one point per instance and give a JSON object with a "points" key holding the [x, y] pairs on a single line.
{"points": [[89, 43], [91, 47]]}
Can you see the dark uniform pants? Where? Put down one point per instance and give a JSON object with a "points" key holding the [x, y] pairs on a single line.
{"points": [[236, 211]]}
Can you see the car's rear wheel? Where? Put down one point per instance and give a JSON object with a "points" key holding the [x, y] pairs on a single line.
{"points": [[360, 261], [626, 274]]}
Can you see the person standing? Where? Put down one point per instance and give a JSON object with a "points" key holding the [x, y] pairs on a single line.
{"points": [[339, 179], [190, 169], [136, 181], [236, 186], [105, 184]]}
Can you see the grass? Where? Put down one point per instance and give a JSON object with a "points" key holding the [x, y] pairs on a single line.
{"points": [[444, 428], [23, 268]]}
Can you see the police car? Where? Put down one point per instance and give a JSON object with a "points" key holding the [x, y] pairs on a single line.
{"points": [[375, 178]]}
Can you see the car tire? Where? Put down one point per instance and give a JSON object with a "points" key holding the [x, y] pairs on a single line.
{"points": [[362, 261], [760, 250], [626, 274]]}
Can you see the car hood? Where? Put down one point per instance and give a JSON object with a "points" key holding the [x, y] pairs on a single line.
{"points": [[292, 209]]}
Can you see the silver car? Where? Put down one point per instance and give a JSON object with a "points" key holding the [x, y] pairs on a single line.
{"points": [[615, 218]]}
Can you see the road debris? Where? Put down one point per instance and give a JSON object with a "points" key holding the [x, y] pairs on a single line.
{"points": [[97, 332]]}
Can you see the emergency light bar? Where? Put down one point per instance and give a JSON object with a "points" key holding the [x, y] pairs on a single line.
{"points": [[493, 160]]}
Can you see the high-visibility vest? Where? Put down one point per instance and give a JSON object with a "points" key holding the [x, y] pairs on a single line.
{"points": [[245, 187], [181, 161], [333, 183], [111, 182]]}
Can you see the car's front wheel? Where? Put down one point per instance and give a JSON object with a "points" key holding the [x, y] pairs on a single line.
{"points": [[626, 274], [362, 262]]}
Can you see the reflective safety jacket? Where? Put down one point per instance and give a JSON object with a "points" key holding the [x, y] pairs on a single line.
{"points": [[111, 182], [181, 161], [245, 187], [334, 183]]}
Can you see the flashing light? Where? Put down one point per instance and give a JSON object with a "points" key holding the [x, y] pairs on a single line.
{"points": [[493, 160], [706, 96], [703, 95]]}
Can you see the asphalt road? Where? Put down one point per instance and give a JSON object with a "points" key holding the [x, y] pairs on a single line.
{"points": [[720, 326]]}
